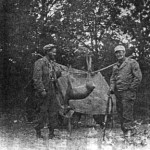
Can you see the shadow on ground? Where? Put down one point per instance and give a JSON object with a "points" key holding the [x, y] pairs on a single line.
{"points": [[16, 134]]}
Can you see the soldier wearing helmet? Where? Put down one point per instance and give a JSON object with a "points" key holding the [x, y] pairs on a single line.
{"points": [[125, 79], [46, 71]]}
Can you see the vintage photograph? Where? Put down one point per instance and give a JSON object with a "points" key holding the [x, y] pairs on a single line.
{"points": [[74, 74]]}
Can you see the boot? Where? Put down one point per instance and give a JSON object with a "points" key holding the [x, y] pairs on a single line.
{"points": [[127, 134], [51, 133], [133, 131], [38, 134]]}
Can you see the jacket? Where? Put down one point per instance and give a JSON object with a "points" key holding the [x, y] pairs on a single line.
{"points": [[127, 76], [45, 71]]}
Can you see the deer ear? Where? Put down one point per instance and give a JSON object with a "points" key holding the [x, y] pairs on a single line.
{"points": [[90, 85]]}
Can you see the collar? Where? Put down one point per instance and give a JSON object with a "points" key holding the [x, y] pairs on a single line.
{"points": [[123, 64], [48, 61], [45, 59]]}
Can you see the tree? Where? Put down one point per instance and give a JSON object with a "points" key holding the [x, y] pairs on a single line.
{"points": [[82, 23], [76, 28], [5, 53], [134, 20]]}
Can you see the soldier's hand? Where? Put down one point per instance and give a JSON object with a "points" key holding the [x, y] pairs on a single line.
{"points": [[110, 91], [58, 74], [43, 93]]}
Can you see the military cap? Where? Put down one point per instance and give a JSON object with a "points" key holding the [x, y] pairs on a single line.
{"points": [[48, 47], [119, 48]]}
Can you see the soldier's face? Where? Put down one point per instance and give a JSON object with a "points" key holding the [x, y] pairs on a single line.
{"points": [[120, 54], [52, 53]]}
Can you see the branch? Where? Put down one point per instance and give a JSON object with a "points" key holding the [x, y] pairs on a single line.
{"points": [[52, 3], [80, 40], [145, 2]]}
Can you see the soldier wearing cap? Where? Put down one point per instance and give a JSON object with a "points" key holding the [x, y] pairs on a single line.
{"points": [[46, 71], [125, 79]]}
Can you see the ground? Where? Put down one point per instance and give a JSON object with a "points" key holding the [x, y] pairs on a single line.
{"points": [[17, 134]]}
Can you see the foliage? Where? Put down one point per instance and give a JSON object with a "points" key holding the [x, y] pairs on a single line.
{"points": [[77, 28], [134, 22]]}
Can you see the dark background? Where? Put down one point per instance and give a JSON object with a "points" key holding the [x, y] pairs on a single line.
{"points": [[26, 26]]}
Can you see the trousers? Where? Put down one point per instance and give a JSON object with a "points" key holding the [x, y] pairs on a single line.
{"points": [[124, 104], [48, 114]]}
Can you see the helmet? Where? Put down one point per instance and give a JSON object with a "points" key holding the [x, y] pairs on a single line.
{"points": [[119, 48], [48, 47]]}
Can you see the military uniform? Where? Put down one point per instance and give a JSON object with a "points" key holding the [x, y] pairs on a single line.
{"points": [[124, 81], [44, 75]]}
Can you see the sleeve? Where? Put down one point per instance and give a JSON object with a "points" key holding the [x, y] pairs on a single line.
{"points": [[37, 76], [112, 80], [137, 75], [57, 71]]}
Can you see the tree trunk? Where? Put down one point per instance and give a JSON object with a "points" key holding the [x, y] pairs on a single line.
{"points": [[5, 53]]}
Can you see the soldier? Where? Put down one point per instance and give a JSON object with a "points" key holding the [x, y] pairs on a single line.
{"points": [[45, 74], [124, 81]]}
